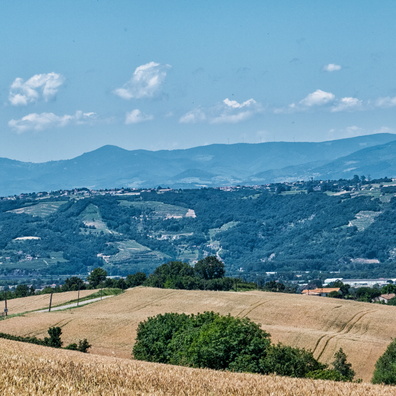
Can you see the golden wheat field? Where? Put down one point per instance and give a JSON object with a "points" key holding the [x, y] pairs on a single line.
{"points": [[34, 370], [321, 324]]}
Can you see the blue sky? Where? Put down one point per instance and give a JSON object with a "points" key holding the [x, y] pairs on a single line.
{"points": [[80, 74]]}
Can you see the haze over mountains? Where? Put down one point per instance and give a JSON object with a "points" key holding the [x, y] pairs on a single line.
{"points": [[212, 166]]}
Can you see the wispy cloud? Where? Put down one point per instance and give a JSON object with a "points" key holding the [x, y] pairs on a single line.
{"points": [[193, 116], [136, 116], [145, 81], [38, 87], [232, 118], [385, 102], [39, 122], [228, 111], [331, 67], [347, 104]]}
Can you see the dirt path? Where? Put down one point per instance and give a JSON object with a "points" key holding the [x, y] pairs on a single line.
{"points": [[73, 305]]}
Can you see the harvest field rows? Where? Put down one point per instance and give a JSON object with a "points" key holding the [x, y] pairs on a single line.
{"points": [[320, 324], [35, 370]]}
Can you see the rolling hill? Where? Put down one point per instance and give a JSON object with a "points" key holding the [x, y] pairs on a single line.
{"points": [[317, 323], [347, 228], [213, 165]]}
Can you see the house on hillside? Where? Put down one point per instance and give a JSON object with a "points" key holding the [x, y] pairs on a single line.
{"points": [[320, 291], [385, 297]]}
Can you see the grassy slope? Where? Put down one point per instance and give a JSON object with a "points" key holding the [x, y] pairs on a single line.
{"points": [[320, 324], [34, 370]]}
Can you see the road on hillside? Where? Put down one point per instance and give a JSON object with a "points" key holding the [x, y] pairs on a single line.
{"points": [[73, 305]]}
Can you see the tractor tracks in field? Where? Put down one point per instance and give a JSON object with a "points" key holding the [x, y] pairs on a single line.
{"points": [[246, 311], [344, 329], [163, 297]]}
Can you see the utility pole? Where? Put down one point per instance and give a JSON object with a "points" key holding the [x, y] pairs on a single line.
{"points": [[5, 304], [78, 296], [50, 304]]}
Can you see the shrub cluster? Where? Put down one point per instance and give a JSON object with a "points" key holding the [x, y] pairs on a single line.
{"points": [[54, 340], [385, 368], [210, 340]]}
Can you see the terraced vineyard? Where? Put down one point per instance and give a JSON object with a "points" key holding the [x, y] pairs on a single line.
{"points": [[41, 209]]}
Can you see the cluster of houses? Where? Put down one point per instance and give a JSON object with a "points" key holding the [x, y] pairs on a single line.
{"points": [[325, 291]]}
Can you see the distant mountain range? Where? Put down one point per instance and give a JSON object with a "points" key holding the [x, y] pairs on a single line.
{"points": [[211, 166]]}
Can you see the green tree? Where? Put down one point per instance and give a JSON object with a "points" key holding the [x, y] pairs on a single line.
{"points": [[22, 291], [204, 340], [289, 361], [73, 283], [209, 268], [54, 339], [388, 289], [154, 336], [367, 294], [170, 275], [341, 365], [137, 279], [274, 286], [82, 346], [97, 276], [228, 343], [385, 368]]}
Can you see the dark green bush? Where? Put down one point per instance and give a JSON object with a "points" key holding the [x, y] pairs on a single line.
{"points": [[385, 368], [210, 340]]}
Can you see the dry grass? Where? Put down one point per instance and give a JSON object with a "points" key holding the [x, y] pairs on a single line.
{"points": [[33, 370], [32, 303], [317, 323]]}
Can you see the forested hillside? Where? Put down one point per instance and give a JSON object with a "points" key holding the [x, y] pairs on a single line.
{"points": [[285, 229]]}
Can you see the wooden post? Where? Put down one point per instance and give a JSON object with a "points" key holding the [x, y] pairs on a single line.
{"points": [[50, 304], [5, 304]]}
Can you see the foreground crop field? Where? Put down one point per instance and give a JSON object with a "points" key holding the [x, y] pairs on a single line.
{"points": [[33, 370], [321, 324]]}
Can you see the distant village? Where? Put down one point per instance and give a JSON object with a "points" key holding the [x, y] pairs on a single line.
{"points": [[357, 184]]}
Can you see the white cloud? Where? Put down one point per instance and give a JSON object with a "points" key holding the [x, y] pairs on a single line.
{"points": [[317, 98], [145, 81], [235, 105], [331, 67], [39, 122], [232, 118], [228, 111], [136, 116], [384, 129], [193, 116], [354, 130], [40, 86], [347, 104], [385, 102]]}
